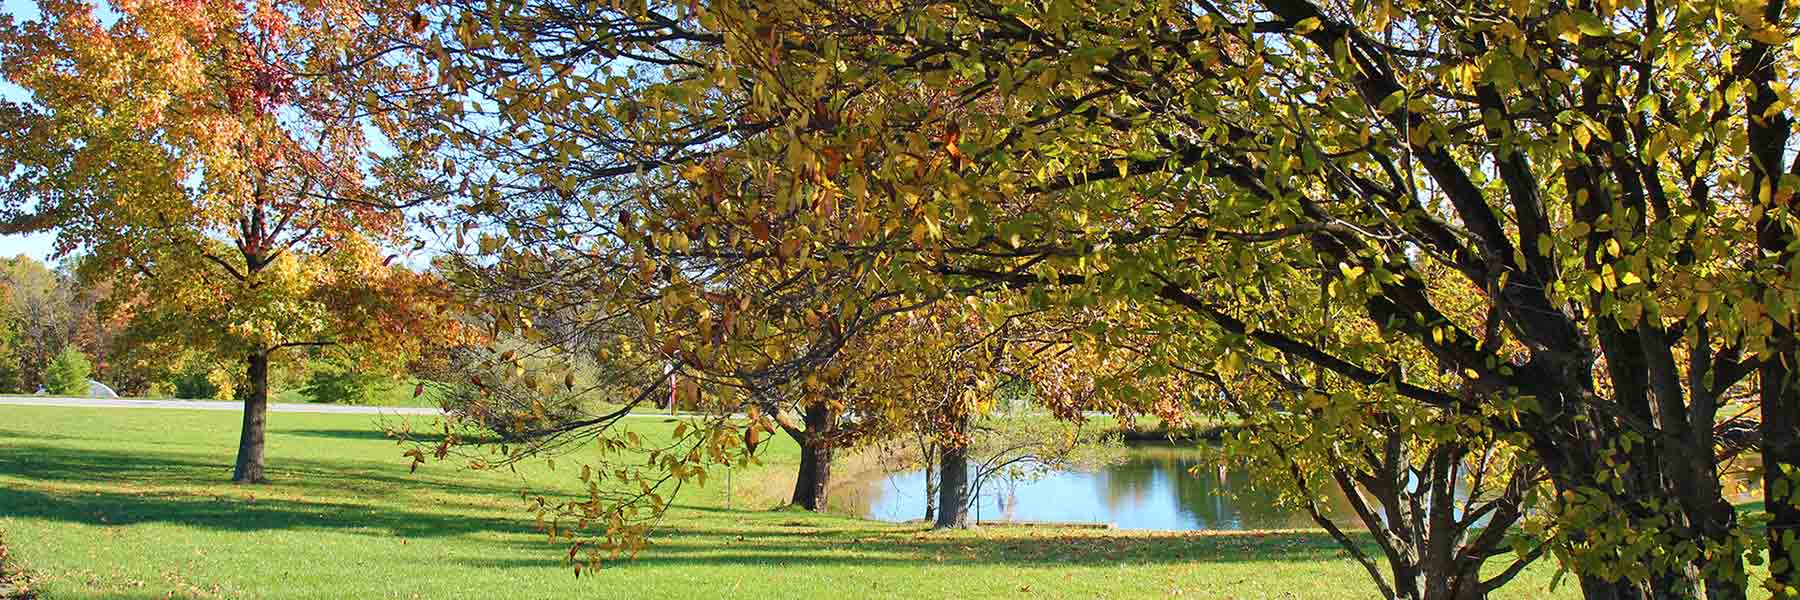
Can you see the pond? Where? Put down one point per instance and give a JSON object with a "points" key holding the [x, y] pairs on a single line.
{"points": [[1150, 489]]}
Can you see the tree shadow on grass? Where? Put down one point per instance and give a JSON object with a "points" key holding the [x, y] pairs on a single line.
{"points": [[204, 499], [92, 465], [372, 435], [237, 514], [764, 543], [370, 498], [191, 489]]}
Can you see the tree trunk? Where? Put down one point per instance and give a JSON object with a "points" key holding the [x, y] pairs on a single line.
{"points": [[953, 489], [1781, 466], [931, 482], [812, 486], [1452, 580], [256, 412]]}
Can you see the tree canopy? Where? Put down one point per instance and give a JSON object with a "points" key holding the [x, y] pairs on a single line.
{"points": [[1563, 229], [1582, 214]]}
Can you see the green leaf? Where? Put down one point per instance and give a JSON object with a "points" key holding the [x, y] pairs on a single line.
{"points": [[1393, 101], [1590, 23]]}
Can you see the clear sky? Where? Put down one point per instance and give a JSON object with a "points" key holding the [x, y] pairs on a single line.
{"points": [[36, 245]]}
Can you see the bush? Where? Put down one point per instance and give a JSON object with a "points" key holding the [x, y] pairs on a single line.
{"points": [[335, 384], [196, 382], [67, 374]]}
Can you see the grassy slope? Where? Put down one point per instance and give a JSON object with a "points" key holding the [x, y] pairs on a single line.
{"points": [[129, 503]]}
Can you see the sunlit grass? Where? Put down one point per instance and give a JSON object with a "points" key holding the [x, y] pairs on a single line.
{"points": [[133, 503]]}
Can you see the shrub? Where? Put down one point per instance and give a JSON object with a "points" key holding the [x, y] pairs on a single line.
{"points": [[336, 384], [196, 381], [67, 374]]}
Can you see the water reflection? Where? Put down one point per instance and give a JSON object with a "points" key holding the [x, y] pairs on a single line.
{"points": [[1151, 489]]}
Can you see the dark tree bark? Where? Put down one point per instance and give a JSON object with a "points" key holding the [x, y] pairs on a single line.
{"points": [[931, 482], [249, 467], [1781, 461], [1780, 388], [953, 489], [813, 484]]}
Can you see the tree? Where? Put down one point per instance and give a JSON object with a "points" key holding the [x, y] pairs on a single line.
{"points": [[1581, 213], [1006, 449], [1580, 210], [212, 159], [903, 374], [67, 374], [52, 309], [1439, 494], [12, 376]]}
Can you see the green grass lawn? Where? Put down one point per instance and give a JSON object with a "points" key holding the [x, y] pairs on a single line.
{"points": [[132, 503]]}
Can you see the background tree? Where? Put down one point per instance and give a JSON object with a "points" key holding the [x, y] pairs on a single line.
{"points": [[212, 159], [52, 308], [12, 339]]}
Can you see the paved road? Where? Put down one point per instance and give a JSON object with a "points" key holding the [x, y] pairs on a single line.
{"points": [[215, 405], [238, 406]]}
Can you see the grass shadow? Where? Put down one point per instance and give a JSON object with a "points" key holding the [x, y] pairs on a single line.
{"points": [[236, 514], [191, 490], [765, 542], [370, 435], [63, 464]]}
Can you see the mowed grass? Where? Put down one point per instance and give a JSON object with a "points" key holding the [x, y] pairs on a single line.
{"points": [[133, 503]]}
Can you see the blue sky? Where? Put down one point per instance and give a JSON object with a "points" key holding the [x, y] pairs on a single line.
{"points": [[36, 245]]}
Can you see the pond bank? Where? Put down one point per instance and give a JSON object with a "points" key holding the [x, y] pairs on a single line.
{"points": [[1209, 434]]}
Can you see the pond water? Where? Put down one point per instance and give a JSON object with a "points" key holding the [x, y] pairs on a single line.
{"points": [[1150, 489]]}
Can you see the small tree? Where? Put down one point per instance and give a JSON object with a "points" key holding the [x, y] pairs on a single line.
{"points": [[1031, 448], [67, 373], [511, 393]]}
